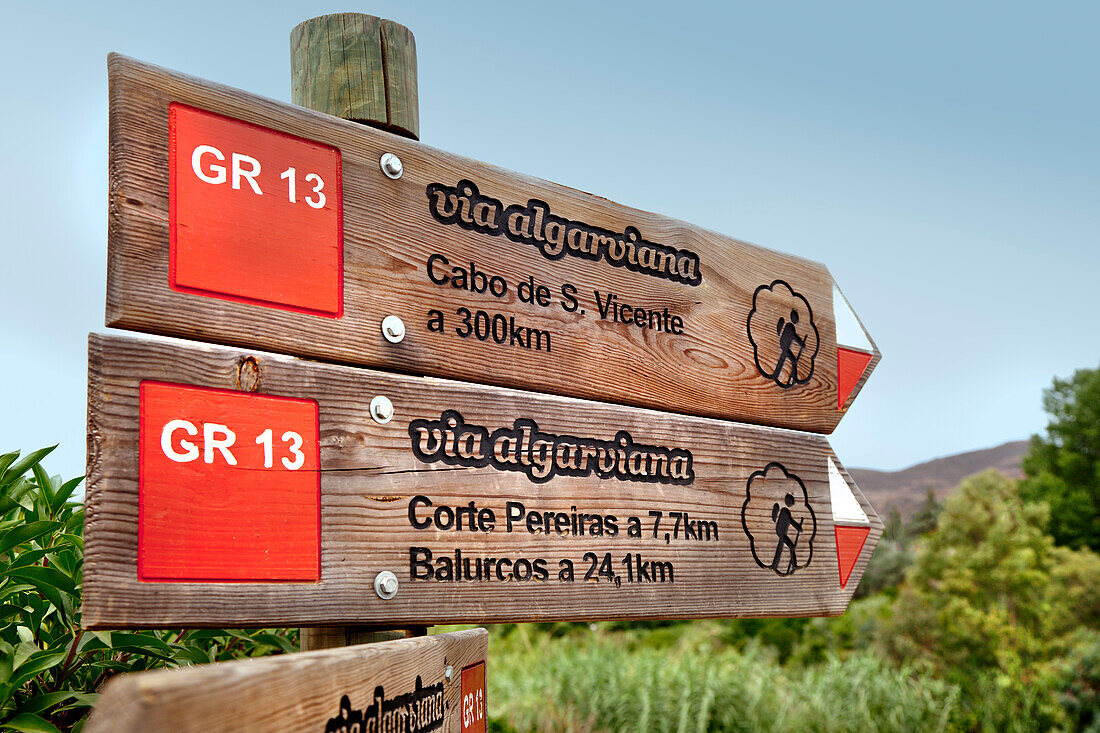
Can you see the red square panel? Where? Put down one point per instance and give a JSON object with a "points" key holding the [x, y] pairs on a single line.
{"points": [[229, 486], [473, 698], [255, 215]]}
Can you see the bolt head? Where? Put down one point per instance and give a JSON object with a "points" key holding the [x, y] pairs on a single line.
{"points": [[381, 409], [391, 166], [393, 328], [449, 672], [385, 585]]}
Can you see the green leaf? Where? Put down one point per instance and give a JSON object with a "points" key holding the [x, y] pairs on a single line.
{"points": [[21, 466], [279, 642], [75, 523], [10, 590], [142, 642], [6, 460], [30, 723], [22, 653], [45, 483], [35, 664], [193, 654], [64, 492], [8, 609], [83, 700], [38, 703], [41, 577], [5, 668], [27, 558], [14, 495], [75, 541], [26, 533]]}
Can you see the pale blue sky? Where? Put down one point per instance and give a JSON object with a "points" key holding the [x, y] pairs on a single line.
{"points": [[940, 158]]}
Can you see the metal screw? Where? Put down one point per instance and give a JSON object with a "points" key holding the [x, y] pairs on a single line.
{"points": [[385, 585], [391, 165], [449, 672], [381, 409], [393, 328]]}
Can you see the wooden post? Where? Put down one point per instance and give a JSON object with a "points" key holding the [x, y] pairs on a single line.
{"points": [[330, 637], [357, 67], [360, 68]]}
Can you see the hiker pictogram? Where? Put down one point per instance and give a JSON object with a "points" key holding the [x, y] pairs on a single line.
{"points": [[783, 335], [779, 520]]}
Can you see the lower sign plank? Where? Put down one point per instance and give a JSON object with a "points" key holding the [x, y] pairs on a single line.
{"points": [[209, 468], [399, 685]]}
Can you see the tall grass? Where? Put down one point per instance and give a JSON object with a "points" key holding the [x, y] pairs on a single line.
{"points": [[696, 685]]}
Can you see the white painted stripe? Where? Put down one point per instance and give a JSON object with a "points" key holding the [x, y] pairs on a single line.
{"points": [[845, 506], [848, 331]]}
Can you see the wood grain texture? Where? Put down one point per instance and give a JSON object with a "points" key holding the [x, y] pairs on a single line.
{"points": [[369, 474], [389, 235], [286, 694], [357, 67], [330, 637]]}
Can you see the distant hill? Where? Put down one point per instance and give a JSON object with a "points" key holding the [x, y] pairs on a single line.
{"points": [[906, 489]]}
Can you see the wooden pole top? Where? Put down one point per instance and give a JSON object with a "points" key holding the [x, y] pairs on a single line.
{"points": [[357, 67]]}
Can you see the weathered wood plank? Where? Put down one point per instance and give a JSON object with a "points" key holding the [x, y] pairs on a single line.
{"points": [[302, 692], [696, 354], [728, 564]]}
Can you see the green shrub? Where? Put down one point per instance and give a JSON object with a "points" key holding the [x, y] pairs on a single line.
{"points": [[49, 667]]}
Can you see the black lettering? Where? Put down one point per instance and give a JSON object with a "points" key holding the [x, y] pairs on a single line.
{"points": [[565, 571], [420, 558], [514, 512], [464, 206], [569, 293], [437, 279], [521, 570], [541, 456], [541, 573], [413, 503], [603, 306]]}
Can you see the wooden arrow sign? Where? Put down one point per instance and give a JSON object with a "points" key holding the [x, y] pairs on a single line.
{"points": [[423, 684], [243, 221], [238, 488]]}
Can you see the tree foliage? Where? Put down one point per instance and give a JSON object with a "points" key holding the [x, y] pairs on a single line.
{"points": [[1063, 467], [991, 603]]}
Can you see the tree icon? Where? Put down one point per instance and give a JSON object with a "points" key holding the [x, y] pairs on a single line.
{"points": [[778, 519], [783, 335]]}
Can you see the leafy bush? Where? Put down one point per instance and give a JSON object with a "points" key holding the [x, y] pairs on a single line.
{"points": [[49, 667]]}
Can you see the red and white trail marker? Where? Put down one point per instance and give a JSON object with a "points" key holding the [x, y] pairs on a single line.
{"points": [[850, 523], [854, 349]]}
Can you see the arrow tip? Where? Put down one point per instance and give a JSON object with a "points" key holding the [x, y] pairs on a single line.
{"points": [[855, 352]]}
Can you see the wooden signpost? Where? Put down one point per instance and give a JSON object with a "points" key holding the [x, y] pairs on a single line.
{"points": [[232, 487], [243, 221], [434, 683], [358, 487]]}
